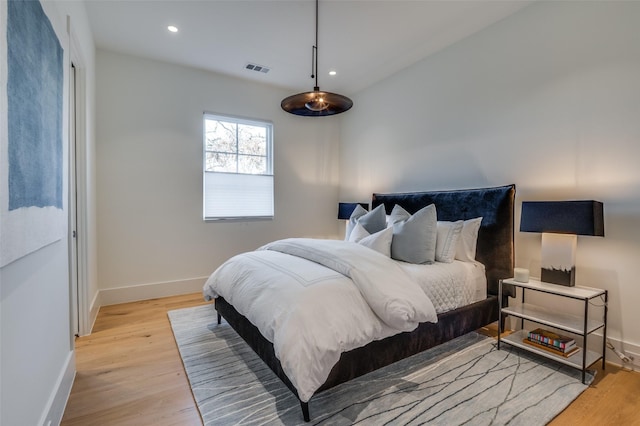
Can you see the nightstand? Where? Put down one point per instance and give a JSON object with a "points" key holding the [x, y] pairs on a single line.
{"points": [[574, 324]]}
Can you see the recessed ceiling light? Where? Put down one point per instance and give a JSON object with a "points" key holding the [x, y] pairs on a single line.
{"points": [[172, 28], [332, 72]]}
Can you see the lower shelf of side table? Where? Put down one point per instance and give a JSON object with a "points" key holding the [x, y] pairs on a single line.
{"points": [[575, 360]]}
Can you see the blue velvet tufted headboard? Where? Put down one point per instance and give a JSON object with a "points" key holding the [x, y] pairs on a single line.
{"points": [[495, 239]]}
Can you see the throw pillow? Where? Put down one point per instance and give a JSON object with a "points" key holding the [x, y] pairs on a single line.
{"points": [[375, 220], [414, 236], [358, 212], [380, 241]]}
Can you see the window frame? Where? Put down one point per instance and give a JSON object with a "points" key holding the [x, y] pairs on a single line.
{"points": [[238, 120]]}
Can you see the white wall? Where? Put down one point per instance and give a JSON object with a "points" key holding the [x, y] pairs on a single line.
{"points": [[152, 239], [548, 99], [36, 355]]}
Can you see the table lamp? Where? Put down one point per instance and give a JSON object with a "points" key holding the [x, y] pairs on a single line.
{"points": [[345, 209], [560, 222]]}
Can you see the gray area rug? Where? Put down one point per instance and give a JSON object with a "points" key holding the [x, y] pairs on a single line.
{"points": [[465, 381]]}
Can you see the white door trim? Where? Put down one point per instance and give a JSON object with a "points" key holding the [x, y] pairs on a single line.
{"points": [[79, 289]]}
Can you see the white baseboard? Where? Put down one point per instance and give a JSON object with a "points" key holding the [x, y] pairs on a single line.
{"points": [[635, 362], [113, 296], [52, 415], [93, 311], [630, 350]]}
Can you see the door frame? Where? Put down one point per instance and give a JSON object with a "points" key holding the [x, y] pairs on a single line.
{"points": [[78, 197]]}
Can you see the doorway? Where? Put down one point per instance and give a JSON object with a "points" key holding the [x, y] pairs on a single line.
{"points": [[79, 304]]}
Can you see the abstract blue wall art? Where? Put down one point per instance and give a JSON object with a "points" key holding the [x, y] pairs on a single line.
{"points": [[34, 101], [34, 117]]}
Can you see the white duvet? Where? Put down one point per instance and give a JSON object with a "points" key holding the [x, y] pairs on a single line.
{"points": [[314, 299]]}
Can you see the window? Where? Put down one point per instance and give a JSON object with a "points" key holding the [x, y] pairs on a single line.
{"points": [[238, 168]]}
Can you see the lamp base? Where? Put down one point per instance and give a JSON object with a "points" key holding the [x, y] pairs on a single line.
{"points": [[558, 259], [555, 276]]}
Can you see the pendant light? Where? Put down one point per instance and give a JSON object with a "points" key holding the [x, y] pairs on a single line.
{"points": [[316, 103]]}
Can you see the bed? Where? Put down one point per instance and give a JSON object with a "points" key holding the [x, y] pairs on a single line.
{"points": [[494, 252]]}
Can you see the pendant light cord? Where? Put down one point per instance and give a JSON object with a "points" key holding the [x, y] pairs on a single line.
{"points": [[316, 103], [314, 57]]}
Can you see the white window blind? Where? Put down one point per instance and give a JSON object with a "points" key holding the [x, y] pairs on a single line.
{"points": [[238, 171], [231, 195]]}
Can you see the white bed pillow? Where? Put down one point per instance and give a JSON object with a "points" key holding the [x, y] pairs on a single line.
{"points": [[372, 221], [380, 241], [447, 240], [468, 240], [358, 233], [414, 236], [358, 212]]}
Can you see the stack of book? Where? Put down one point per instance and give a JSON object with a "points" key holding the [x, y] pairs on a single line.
{"points": [[552, 342]]}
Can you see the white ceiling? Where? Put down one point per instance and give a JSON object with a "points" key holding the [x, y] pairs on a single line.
{"points": [[363, 40]]}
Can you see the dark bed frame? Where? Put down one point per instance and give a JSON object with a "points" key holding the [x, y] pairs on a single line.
{"points": [[494, 250]]}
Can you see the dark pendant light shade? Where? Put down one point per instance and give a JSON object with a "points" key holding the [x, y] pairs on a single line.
{"points": [[316, 103]]}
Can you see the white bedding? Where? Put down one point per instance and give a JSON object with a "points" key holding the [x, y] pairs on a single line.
{"points": [[450, 285], [312, 313]]}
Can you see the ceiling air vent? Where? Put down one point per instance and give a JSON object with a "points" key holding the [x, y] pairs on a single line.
{"points": [[258, 68]]}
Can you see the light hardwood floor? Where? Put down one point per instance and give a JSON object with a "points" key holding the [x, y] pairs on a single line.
{"points": [[129, 372]]}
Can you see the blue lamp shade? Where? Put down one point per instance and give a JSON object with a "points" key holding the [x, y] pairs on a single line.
{"points": [[563, 217], [560, 222], [345, 209]]}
